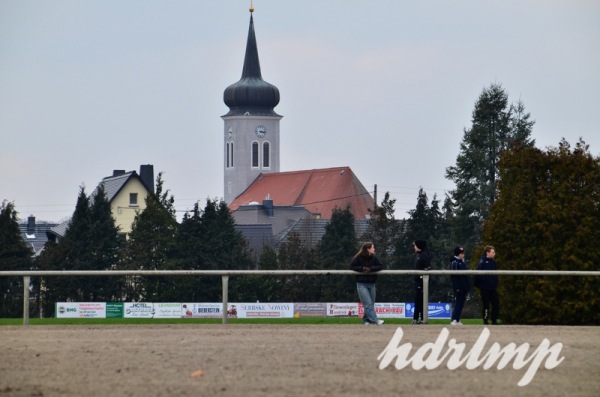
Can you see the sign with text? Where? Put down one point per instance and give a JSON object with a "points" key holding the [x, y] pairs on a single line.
{"points": [[436, 310], [201, 310], [262, 310], [81, 310]]}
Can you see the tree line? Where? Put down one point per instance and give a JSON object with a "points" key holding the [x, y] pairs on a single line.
{"points": [[539, 208]]}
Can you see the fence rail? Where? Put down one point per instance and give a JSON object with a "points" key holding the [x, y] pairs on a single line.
{"points": [[225, 274]]}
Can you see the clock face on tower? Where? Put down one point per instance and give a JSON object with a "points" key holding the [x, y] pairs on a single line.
{"points": [[260, 131]]}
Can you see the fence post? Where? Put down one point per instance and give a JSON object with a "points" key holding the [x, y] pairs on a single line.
{"points": [[25, 300], [225, 283], [425, 298]]}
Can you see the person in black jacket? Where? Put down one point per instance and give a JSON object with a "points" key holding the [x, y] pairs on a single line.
{"points": [[460, 284], [422, 262], [487, 285], [366, 263]]}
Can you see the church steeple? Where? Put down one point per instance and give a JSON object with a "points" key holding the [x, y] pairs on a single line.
{"points": [[251, 128], [251, 94]]}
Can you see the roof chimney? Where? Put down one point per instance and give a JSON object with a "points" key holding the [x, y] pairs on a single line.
{"points": [[268, 207], [31, 224], [118, 172], [147, 176]]}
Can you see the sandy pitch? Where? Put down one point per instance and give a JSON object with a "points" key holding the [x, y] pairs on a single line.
{"points": [[274, 360]]}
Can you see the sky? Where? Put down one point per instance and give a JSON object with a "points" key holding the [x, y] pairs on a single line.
{"points": [[384, 87]]}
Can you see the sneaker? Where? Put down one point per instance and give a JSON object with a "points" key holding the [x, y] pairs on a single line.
{"points": [[454, 322], [417, 322], [366, 323], [380, 322]]}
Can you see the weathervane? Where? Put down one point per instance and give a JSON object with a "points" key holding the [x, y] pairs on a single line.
{"points": [[251, 7]]}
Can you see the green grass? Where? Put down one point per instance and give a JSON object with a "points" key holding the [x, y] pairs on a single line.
{"points": [[162, 321]]}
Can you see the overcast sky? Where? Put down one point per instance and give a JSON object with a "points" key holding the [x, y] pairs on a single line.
{"points": [[385, 87]]}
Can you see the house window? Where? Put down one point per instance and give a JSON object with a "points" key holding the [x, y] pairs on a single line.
{"points": [[231, 154], [255, 154], [133, 199], [266, 155]]}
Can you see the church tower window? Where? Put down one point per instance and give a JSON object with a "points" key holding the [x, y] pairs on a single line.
{"points": [[255, 154], [266, 155]]}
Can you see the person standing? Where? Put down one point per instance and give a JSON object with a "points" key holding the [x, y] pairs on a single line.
{"points": [[487, 284], [460, 284], [366, 263], [422, 262]]}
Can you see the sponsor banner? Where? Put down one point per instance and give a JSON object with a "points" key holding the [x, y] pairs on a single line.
{"points": [[167, 310], [114, 310], [201, 310], [436, 310], [310, 309], [342, 309], [261, 310], [81, 310], [138, 310], [385, 310]]}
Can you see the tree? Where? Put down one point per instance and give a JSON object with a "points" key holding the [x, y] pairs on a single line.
{"points": [[152, 244], [496, 127], [336, 249], [384, 230], [425, 222], [547, 217], [91, 242], [14, 255]]}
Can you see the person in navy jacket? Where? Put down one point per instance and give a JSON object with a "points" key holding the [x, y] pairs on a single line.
{"points": [[460, 284], [487, 285]]}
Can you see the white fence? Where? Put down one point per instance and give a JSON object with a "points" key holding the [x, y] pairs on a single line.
{"points": [[226, 273]]}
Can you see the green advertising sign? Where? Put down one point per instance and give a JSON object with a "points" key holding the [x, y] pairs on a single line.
{"points": [[114, 309]]}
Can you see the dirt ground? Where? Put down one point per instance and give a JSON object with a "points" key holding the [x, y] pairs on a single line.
{"points": [[276, 360]]}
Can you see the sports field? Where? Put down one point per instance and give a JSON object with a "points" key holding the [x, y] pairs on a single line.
{"points": [[276, 360]]}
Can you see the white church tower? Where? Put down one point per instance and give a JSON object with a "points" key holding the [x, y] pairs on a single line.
{"points": [[251, 130]]}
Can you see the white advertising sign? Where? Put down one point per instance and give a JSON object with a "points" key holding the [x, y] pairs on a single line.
{"points": [[81, 310], [261, 310]]}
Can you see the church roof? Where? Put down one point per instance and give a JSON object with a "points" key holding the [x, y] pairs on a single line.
{"points": [[251, 95], [317, 190]]}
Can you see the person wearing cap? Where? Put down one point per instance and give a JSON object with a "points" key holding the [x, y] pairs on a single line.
{"points": [[422, 262], [460, 284]]}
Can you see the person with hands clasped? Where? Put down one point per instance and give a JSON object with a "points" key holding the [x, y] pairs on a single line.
{"points": [[366, 263], [460, 284]]}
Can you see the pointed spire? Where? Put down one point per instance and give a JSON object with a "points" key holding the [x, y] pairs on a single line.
{"points": [[251, 62], [251, 94]]}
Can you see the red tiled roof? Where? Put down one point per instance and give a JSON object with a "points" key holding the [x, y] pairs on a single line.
{"points": [[319, 191]]}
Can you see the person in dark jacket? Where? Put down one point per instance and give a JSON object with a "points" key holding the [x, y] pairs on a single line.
{"points": [[460, 284], [422, 262], [487, 285], [366, 263]]}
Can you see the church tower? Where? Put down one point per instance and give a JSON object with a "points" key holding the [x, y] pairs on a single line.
{"points": [[251, 127]]}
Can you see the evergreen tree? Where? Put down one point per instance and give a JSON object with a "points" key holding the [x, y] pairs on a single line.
{"points": [[338, 246], [547, 218], [14, 255], [152, 244], [104, 249], [384, 230], [496, 127]]}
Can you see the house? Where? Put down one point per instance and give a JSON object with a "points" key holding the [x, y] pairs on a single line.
{"points": [[126, 192]]}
